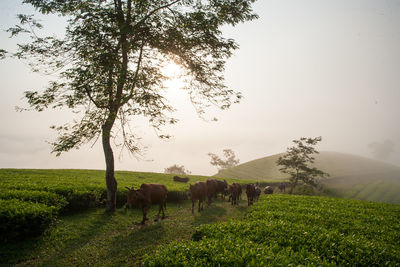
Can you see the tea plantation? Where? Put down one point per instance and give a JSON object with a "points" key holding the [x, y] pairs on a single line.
{"points": [[30, 200], [284, 230]]}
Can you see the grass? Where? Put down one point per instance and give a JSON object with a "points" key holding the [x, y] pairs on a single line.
{"points": [[98, 238], [48, 179]]}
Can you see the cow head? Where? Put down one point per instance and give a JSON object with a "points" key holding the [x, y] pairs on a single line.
{"points": [[134, 197]]}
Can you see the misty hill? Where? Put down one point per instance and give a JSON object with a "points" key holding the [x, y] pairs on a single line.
{"points": [[350, 176]]}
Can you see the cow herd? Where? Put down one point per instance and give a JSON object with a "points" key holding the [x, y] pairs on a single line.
{"points": [[156, 194]]}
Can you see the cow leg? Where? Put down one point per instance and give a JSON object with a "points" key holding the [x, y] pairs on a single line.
{"points": [[159, 211], [144, 210], [200, 205], [164, 208], [192, 206]]}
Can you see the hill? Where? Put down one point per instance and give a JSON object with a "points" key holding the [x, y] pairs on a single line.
{"points": [[350, 176]]}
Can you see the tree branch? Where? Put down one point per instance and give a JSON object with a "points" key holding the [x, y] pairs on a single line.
{"points": [[154, 11]]}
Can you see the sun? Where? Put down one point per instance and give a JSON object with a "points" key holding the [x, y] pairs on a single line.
{"points": [[174, 74]]}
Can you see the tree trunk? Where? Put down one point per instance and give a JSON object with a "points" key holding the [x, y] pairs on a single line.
{"points": [[111, 182]]}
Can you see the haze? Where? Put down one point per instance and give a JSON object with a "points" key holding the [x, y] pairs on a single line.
{"points": [[306, 68]]}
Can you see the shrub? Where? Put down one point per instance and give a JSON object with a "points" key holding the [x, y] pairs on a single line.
{"points": [[294, 230], [47, 198], [20, 219]]}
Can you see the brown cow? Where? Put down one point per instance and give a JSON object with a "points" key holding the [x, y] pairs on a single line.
{"points": [[258, 192], [198, 191], [239, 190], [234, 190], [282, 187], [211, 189], [221, 188], [251, 193], [145, 196], [268, 190], [180, 179]]}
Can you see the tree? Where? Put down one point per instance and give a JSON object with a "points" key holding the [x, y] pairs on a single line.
{"points": [[230, 160], [296, 162], [109, 64], [176, 169]]}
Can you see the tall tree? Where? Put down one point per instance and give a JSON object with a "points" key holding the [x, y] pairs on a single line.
{"points": [[222, 164], [297, 162], [109, 64]]}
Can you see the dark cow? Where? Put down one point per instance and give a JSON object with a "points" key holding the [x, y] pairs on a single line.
{"points": [[251, 193], [180, 179], [211, 189], [282, 187], [147, 195], [239, 190], [221, 188], [268, 190], [198, 191], [234, 191], [258, 192]]}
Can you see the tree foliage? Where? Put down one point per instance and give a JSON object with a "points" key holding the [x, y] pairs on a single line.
{"points": [[176, 169], [110, 60], [221, 164], [298, 160], [109, 64]]}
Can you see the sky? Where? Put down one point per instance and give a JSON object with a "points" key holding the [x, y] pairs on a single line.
{"points": [[306, 68]]}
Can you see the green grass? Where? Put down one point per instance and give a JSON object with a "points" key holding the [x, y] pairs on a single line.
{"points": [[51, 180], [294, 230]]}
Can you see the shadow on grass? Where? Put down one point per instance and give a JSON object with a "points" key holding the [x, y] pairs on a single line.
{"points": [[59, 236], [209, 215], [127, 247]]}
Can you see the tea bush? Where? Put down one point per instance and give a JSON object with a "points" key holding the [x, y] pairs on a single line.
{"points": [[294, 230], [20, 219], [47, 198]]}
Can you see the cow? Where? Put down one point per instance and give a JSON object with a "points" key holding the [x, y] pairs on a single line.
{"points": [[180, 179], [239, 190], [234, 191], [251, 193], [282, 187], [258, 192], [147, 195], [268, 190], [198, 191], [211, 189], [221, 188]]}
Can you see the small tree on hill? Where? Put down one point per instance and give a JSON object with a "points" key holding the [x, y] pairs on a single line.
{"points": [[176, 169], [230, 160], [297, 160], [109, 64]]}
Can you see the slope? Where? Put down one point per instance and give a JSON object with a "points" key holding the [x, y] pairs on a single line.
{"points": [[350, 176]]}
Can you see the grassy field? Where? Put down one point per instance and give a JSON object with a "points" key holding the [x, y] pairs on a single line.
{"points": [[279, 229], [50, 180], [100, 239]]}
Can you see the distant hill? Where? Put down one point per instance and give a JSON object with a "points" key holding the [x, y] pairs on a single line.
{"points": [[350, 176]]}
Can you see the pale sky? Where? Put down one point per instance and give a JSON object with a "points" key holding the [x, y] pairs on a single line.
{"points": [[305, 67]]}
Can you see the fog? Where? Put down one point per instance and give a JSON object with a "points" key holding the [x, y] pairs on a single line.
{"points": [[306, 68]]}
